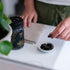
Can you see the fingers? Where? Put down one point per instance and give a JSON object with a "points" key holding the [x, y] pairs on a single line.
{"points": [[35, 19], [61, 32], [64, 34], [58, 30], [67, 37], [28, 19], [25, 21]]}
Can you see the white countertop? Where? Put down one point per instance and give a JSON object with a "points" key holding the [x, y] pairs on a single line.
{"points": [[57, 59], [63, 60]]}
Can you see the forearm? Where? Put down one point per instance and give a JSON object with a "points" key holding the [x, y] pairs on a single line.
{"points": [[29, 3]]}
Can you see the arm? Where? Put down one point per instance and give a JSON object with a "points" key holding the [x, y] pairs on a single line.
{"points": [[29, 3], [29, 13]]}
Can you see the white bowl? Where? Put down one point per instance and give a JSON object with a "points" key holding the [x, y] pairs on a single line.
{"points": [[45, 51]]}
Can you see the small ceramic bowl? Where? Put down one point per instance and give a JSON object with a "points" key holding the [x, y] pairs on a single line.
{"points": [[46, 50]]}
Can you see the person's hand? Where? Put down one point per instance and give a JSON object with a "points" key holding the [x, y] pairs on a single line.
{"points": [[62, 31], [28, 15]]}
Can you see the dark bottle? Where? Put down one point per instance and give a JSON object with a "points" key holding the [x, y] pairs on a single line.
{"points": [[17, 38]]}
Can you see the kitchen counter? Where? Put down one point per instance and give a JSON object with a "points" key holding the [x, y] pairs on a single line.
{"points": [[57, 59]]}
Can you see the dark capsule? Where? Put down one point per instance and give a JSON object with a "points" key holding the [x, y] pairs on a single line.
{"points": [[49, 35]]}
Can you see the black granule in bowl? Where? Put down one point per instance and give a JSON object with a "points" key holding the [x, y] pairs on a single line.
{"points": [[47, 46]]}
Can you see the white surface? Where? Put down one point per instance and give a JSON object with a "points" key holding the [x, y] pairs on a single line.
{"points": [[63, 61], [10, 65], [31, 55], [57, 2]]}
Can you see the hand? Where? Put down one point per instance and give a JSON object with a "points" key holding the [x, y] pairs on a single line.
{"points": [[28, 15], [62, 31]]}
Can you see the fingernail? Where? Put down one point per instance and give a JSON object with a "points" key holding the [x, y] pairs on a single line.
{"points": [[49, 35], [28, 25], [52, 37]]}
